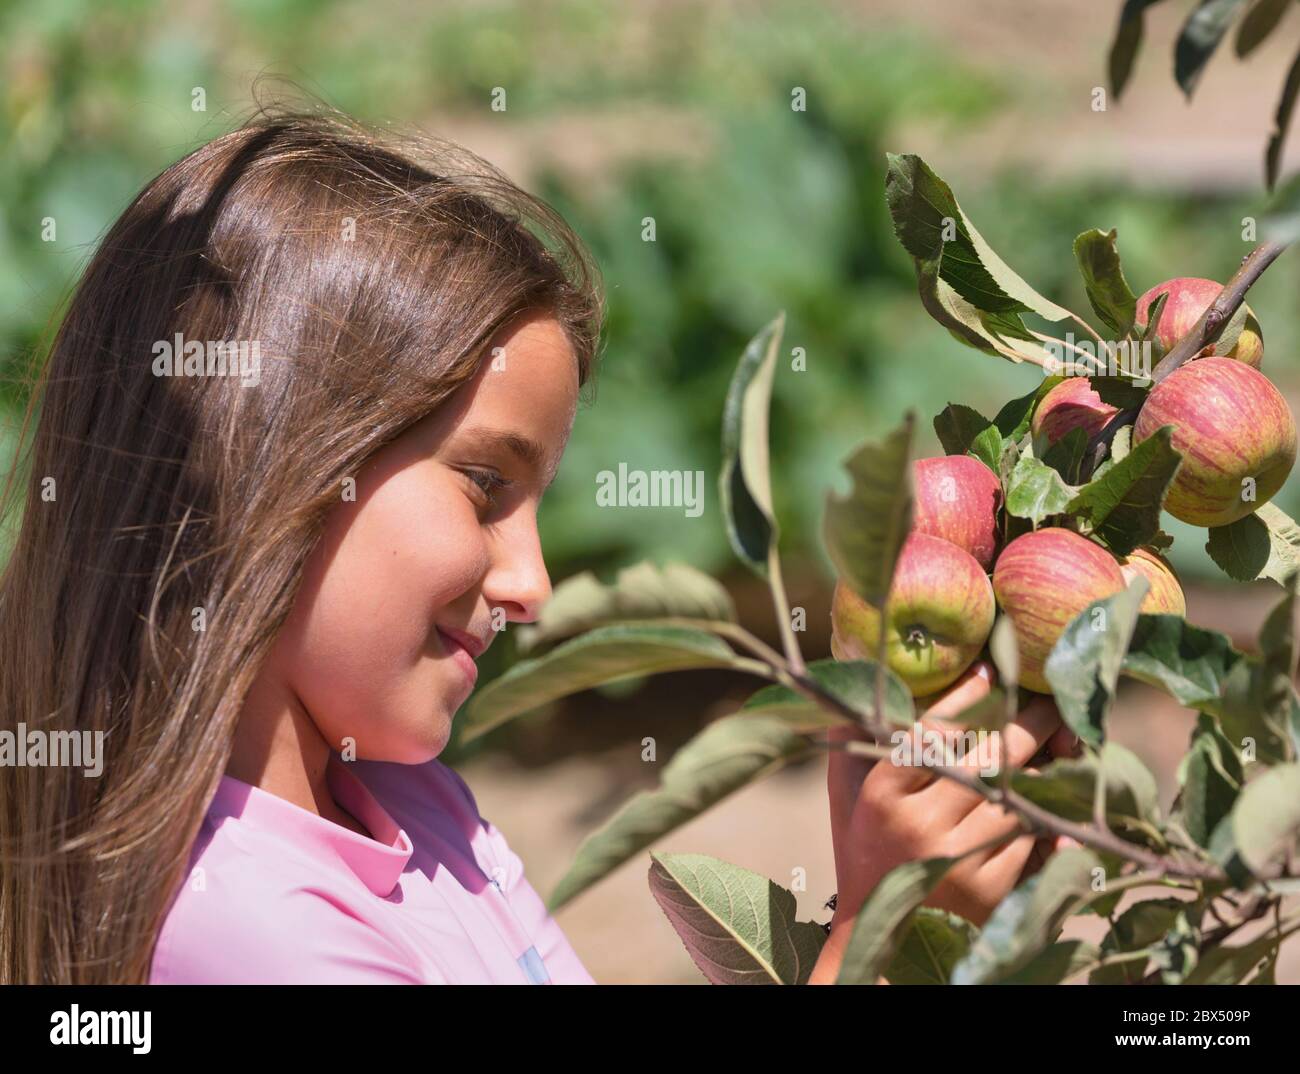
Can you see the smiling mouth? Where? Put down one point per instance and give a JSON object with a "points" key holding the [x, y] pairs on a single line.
{"points": [[460, 654]]}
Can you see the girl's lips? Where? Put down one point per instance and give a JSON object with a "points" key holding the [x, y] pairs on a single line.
{"points": [[461, 655]]}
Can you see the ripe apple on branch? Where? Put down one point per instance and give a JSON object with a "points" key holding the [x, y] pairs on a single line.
{"points": [[1035, 538]]}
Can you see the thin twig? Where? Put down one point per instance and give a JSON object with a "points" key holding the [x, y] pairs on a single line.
{"points": [[1216, 317]]}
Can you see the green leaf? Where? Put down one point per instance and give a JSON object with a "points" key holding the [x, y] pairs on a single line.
{"points": [[1036, 491], [852, 681], [1054, 964], [744, 482], [957, 426], [737, 926], [1223, 851], [1128, 39], [968, 325], [1265, 544], [643, 591], [865, 530], [1014, 418], [1029, 918], [1232, 965], [1259, 701], [1084, 665], [1140, 926], [933, 944], [1211, 777], [1103, 278], [606, 654], [1068, 786], [922, 205], [1260, 21], [1123, 505], [1199, 37], [1282, 123], [988, 448], [726, 755], [1065, 455], [880, 925], [1187, 662], [1266, 820]]}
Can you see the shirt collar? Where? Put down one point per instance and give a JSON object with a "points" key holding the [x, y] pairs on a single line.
{"points": [[377, 862]]}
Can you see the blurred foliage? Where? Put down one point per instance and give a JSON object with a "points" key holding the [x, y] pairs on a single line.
{"points": [[781, 209]]}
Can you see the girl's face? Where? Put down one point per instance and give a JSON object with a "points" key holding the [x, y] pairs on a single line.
{"points": [[400, 594]]}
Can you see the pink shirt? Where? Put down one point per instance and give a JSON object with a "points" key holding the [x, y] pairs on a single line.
{"points": [[279, 895]]}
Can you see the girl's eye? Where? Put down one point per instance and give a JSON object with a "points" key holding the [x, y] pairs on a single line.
{"points": [[489, 483]]}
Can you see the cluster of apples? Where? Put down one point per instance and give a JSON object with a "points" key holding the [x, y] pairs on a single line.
{"points": [[1235, 433]]}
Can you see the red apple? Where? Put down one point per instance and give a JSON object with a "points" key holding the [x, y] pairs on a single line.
{"points": [[1231, 425], [1165, 597], [1072, 404], [957, 499], [1043, 580], [937, 617], [1189, 297]]}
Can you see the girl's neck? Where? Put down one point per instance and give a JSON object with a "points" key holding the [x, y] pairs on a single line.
{"points": [[278, 748]]}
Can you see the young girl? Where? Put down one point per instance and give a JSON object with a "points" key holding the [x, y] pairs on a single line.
{"points": [[293, 435]]}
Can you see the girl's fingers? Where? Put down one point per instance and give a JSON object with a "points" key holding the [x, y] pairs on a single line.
{"points": [[1033, 726], [910, 776]]}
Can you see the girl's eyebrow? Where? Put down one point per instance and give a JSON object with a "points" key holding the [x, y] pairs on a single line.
{"points": [[525, 449]]}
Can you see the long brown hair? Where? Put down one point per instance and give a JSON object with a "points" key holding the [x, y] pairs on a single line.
{"points": [[165, 520]]}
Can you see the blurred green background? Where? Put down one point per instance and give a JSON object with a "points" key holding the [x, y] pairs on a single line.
{"points": [[681, 112]]}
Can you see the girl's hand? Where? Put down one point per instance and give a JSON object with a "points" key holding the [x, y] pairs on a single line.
{"points": [[883, 814]]}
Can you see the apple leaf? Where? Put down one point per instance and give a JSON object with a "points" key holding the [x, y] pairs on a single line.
{"points": [[1084, 665], [1187, 662], [1103, 278], [988, 448], [726, 755], [1054, 964], [865, 530], [1140, 926], [1036, 491], [1068, 786], [1266, 820], [973, 327], [852, 681], [1223, 851], [1225, 965], [1128, 39], [606, 654], [1260, 21], [930, 224], [1014, 419], [1265, 544], [745, 480], [1029, 918], [1065, 455], [885, 916], [1199, 37], [1282, 123], [737, 926], [1259, 701], [933, 944], [1211, 777], [957, 426], [1123, 504], [640, 592]]}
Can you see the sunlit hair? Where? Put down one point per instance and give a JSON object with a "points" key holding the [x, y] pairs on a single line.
{"points": [[373, 273]]}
